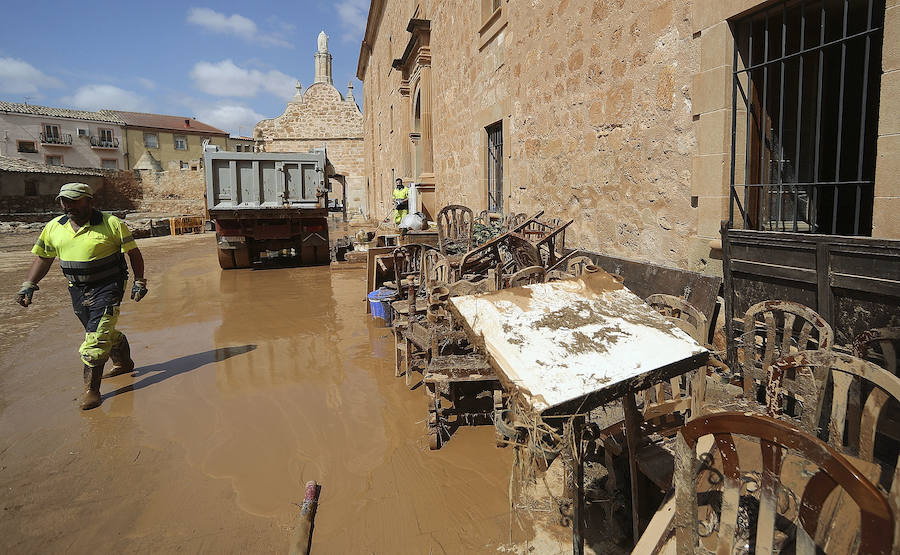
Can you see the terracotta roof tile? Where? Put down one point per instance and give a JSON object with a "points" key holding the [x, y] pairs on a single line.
{"points": [[25, 166], [19, 108], [172, 123]]}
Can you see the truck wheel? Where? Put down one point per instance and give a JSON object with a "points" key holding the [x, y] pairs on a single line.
{"points": [[226, 259], [242, 257]]}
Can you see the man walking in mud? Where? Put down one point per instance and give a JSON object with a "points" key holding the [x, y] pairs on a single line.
{"points": [[91, 247]]}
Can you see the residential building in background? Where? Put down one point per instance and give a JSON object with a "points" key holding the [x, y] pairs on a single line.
{"points": [[322, 116], [620, 115], [61, 137], [175, 142], [241, 144]]}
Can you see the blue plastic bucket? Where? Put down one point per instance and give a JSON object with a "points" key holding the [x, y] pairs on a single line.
{"points": [[380, 304]]}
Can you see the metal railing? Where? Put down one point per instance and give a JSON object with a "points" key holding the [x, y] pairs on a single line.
{"points": [[53, 139], [805, 89], [100, 142]]}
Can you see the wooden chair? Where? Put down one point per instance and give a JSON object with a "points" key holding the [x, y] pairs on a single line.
{"points": [[552, 245], [521, 254], [765, 492], [515, 220], [455, 226], [483, 218], [773, 329], [408, 280], [508, 252], [527, 276], [681, 395], [880, 346], [863, 395], [683, 314], [530, 228], [436, 269], [407, 267]]}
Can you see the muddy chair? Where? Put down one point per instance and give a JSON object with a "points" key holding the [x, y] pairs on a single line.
{"points": [[880, 346], [773, 329], [752, 483], [455, 225]]}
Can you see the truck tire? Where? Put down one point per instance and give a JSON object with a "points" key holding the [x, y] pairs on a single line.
{"points": [[226, 259], [242, 257]]}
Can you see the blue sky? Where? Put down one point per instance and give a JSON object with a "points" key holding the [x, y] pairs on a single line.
{"points": [[228, 64]]}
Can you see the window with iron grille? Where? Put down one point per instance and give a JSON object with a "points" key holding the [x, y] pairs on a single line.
{"points": [[495, 166], [806, 82]]}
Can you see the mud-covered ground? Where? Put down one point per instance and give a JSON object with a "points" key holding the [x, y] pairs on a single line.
{"points": [[248, 384]]}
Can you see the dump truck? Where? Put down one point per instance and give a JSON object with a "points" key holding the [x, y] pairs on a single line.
{"points": [[268, 205]]}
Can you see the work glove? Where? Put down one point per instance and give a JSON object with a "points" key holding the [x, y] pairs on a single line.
{"points": [[23, 297], [139, 290]]}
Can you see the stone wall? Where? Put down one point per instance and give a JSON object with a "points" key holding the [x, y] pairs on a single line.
{"points": [[170, 192], [320, 116], [595, 105], [173, 192], [320, 112], [36, 192], [615, 113]]}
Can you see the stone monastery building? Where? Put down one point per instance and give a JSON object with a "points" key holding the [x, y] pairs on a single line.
{"points": [[619, 114], [322, 116]]}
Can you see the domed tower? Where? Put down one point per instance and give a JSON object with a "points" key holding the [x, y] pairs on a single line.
{"points": [[323, 61]]}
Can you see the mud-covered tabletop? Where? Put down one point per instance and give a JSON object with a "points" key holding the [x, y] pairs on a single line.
{"points": [[562, 341]]}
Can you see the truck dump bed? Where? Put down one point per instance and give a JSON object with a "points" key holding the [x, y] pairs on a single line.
{"points": [[268, 205], [259, 180]]}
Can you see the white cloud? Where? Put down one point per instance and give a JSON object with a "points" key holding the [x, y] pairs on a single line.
{"points": [[146, 83], [235, 24], [20, 77], [221, 23], [97, 97], [353, 15], [227, 79], [234, 118]]}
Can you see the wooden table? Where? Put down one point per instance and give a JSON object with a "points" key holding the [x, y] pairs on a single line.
{"points": [[573, 345]]}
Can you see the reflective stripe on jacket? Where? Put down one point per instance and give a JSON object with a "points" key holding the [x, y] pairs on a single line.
{"points": [[103, 270]]}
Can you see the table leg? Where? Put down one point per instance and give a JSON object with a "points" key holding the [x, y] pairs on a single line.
{"points": [[578, 502], [632, 439]]}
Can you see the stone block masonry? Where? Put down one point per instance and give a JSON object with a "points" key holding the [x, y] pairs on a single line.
{"points": [[616, 113]]}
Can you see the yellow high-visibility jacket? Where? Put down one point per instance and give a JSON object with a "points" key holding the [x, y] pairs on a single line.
{"points": [[93, 254]]}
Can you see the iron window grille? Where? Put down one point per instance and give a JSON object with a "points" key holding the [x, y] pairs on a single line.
{"points": [[805, 90], [495, 166]]}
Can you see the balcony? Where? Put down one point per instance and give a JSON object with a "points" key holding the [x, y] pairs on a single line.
{"points": [[63, 139], [100, 142]]}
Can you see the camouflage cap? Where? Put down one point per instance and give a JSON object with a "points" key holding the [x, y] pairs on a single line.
{"points": [[75, 191]]}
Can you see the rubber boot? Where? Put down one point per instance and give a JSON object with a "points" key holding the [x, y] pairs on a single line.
{"points": [[91, 397], [121, 359]]}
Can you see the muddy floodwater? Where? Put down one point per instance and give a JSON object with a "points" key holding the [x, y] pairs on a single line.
{"points": [[248, 384]]}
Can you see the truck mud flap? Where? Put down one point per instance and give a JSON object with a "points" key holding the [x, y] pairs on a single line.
{"points": [[314, 249]]}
